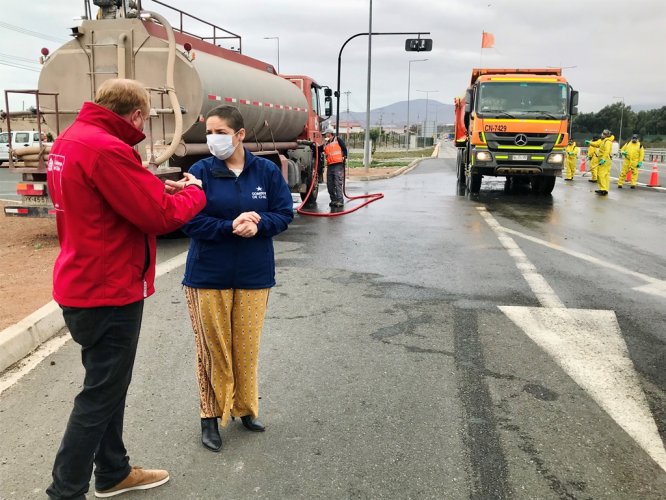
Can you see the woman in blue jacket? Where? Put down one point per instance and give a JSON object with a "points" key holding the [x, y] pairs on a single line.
{"points": [[230, 270]]}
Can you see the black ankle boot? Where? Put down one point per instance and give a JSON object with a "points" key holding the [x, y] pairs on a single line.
{"points": [[210, 435], [251, 424]]}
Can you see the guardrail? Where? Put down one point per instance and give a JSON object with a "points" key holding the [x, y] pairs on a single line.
{"points": [[651, 155], [655, 155]]}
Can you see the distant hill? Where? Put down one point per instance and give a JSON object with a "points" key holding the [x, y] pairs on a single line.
{"points": [[396, 113]]}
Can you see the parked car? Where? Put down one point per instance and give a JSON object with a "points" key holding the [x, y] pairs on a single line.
{"points": [[20, 139]]}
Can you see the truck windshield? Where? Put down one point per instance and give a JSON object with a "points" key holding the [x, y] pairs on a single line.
{"points": [[547, 100]]}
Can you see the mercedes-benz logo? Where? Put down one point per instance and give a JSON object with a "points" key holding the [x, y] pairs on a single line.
{"points": [[520, 140]]}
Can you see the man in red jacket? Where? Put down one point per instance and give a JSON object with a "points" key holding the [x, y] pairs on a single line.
{"points": [[108, 210]]}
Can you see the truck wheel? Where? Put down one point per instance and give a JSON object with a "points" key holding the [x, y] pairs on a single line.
{"points": [[474, 183], [460, 168], [312, 200], [543, 185]]}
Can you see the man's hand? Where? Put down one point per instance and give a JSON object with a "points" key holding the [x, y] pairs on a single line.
{"points": [[173, 187]]}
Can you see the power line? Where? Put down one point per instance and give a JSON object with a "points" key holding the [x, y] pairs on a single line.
{"points": [[18, 66], [22, 59], [36, 34]]}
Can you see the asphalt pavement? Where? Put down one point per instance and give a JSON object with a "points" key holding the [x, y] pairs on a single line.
{"points": [[430, 345]]}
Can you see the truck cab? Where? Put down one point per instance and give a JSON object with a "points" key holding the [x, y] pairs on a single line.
{"points": [[514, 123]]}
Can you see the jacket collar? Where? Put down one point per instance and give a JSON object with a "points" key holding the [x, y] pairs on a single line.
{"points": [[219, 167], [111, 122]]}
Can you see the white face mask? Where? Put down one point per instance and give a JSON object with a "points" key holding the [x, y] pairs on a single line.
{"points": [[221, 145]]}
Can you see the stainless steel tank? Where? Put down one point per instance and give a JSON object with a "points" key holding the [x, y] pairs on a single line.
{"points": [[274, 109]]}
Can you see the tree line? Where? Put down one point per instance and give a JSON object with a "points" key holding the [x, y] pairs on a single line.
{"points": [[650, 125]]}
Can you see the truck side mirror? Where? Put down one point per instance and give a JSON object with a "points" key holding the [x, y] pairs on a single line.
{"points": [[328, 106], [468, 101], [573, 103]]}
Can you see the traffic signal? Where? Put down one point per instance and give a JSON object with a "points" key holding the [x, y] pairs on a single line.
{"points": [[418, 44]]}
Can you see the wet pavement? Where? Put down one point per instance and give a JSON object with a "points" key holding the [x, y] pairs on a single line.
{"points": [[388, 369]]}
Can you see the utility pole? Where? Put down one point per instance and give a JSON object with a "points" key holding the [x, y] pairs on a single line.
{"points": [[347, 92], [366, 149]]}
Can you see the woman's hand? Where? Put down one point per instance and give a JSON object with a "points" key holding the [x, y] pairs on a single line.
{"points": [[246, 229], [246, 217]]}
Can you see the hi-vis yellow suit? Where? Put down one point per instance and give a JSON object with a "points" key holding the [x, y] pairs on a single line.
{"points": [[570, 160], [605, 146], [633, 153], [594, 161]]}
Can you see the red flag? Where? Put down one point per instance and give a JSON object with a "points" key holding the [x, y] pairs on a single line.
{"points": [[487, 40]]}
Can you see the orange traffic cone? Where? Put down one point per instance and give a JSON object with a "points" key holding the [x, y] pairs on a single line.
{"points": [[582, 165], [654, 176]]}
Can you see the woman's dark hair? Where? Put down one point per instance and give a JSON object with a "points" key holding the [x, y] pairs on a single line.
{"points": [[229, 114]]}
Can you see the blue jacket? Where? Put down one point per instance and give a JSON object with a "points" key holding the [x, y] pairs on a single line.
{"points": [[219, 259]]}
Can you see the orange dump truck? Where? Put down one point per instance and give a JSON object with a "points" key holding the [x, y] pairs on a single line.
{"points": [[514, 123]]}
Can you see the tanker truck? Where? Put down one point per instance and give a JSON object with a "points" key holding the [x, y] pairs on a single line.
{"points": [[513, 123], [187, 76]]}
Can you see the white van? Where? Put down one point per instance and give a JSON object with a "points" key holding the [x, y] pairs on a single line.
{"points": [[20, 139]]}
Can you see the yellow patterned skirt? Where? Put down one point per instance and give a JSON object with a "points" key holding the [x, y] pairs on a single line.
{"points": [[227, 328]]}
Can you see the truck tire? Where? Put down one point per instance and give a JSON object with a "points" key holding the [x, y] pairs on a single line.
{"points": [[313, 195], [474, 183], [543, 185], [460, 168]]}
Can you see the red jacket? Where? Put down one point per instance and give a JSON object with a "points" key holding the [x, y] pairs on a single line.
{"points": [[108, 210]]}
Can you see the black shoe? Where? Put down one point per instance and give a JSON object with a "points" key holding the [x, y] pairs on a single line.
{"points": [[567, 179], [619, 187], [633, 187], [210, 435], [591, 180], [251, 424]]}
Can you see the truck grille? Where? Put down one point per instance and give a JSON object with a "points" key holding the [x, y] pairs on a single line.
{"points": [[532, 140]]}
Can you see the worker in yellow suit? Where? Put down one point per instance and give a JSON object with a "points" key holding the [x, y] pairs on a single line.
{"points": [[633, 154], [605, 145], [593, 159], [570, 159]]}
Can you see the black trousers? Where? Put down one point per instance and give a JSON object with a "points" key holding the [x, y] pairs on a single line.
{"points": [[108, 337], [334, 178]]}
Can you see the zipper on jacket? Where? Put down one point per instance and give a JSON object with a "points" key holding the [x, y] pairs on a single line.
{"points": [[146, 265]]}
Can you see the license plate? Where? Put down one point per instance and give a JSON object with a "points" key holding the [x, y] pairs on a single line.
{"points": [[519, 157], [36, 200]]}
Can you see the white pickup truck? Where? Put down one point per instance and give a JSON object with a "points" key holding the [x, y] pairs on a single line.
{"points": [[20, 139]]}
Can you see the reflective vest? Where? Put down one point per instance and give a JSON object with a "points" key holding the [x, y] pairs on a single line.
{"points": [[333, 153]]}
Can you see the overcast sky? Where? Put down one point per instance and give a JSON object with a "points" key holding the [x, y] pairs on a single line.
{"points": [[607, 48]]}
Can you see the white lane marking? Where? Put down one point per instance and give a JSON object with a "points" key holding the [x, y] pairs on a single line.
{"points": [[544, 293], [27, 364], [653, 289], [588, 345], [658, 288]]}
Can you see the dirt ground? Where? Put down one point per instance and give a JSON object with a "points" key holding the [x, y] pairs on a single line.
{"points": [[28, 248]]}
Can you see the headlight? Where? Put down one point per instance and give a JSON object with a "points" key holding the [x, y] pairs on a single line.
{"points": [[483, 156], [556, 158]]}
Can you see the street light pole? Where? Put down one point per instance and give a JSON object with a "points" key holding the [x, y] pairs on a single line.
{"points": [[278, 48], [621, 116], [409, 76], [425, 123]]}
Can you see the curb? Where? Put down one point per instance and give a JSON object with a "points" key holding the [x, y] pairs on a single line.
{"points": [[20, 339], [400, 171]]}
